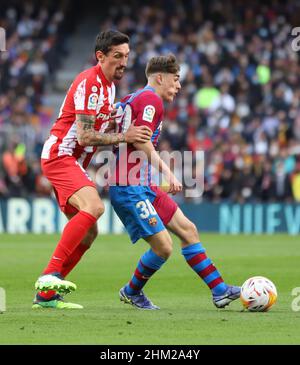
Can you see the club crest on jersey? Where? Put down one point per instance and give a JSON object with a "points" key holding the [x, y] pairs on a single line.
{"points": [[148, 113], [92, 101], [152, 221]]}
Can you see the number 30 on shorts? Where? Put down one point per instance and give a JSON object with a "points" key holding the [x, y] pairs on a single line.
{"points": [[145, 208]]}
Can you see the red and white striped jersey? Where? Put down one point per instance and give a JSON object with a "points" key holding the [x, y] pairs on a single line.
{"points": [[89, 94]]}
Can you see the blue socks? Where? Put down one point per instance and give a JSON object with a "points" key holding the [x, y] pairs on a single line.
{"points": [[202, 265], [147, 266]]}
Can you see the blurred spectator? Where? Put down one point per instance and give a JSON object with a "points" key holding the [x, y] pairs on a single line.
{"points": [[35, 37], [296, 183], [15, 167], [282, 184], [265, 183]]}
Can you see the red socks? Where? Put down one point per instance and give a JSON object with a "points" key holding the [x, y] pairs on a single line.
{"points": [[72, 235], [73, 259], [70, 263]]}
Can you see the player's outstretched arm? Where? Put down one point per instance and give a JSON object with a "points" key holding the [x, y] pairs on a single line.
{"points": [[153, 157], [88, 136]]}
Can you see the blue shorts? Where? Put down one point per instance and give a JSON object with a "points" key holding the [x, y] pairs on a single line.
{"points": [[133, 205]]}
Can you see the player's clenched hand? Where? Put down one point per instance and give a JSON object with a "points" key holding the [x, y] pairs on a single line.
{"points": [[114, 114], [139, 134], [175, 186]]}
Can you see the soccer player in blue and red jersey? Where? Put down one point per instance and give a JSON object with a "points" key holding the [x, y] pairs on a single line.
{"points": [[148, 212]]}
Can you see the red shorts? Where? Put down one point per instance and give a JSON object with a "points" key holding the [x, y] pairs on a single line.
{"points": [[66, 176], [164, 205]]}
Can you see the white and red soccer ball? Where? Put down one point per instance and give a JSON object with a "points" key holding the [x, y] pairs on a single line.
{"points": [[258, 294]]}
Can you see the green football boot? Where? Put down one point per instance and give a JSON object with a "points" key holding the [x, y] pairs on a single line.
{"points": [[56, 302], [54, 282]]}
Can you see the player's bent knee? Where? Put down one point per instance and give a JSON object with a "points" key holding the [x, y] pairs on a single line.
{"points": [[188, 232], [191, 228], [99, 210], [166, 251], [96, 209], [194, 229]]}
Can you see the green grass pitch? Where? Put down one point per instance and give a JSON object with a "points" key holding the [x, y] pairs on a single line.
{"points": [[187, 315]]}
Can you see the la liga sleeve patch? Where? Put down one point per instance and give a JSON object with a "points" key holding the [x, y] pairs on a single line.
{"points": [[148, 113], [92, 101]]}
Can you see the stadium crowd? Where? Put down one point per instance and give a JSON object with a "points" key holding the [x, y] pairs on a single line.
{"points": [[239, 102], [36, 35]]}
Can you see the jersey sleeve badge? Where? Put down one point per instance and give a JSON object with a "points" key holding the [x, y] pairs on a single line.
{"points": [[148, 113], [92, 101]]}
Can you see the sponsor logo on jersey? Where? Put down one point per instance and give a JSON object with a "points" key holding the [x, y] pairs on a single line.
{"points": [[92, 102], [103, 116], [148, 113]]}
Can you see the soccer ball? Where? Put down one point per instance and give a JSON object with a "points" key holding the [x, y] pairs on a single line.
{"points": [[258, 294]]}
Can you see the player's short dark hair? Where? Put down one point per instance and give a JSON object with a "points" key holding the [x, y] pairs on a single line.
{"points": [[165, 64], [105, 40]]}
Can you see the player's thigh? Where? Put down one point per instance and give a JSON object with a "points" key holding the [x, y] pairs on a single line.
{"points": [[87, 199], [163, 204], [67, 178], [133, 206], [183, 228], [161, 243]]}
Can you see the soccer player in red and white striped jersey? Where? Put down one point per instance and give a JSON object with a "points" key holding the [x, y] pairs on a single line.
{"points": [[84, 117]]}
